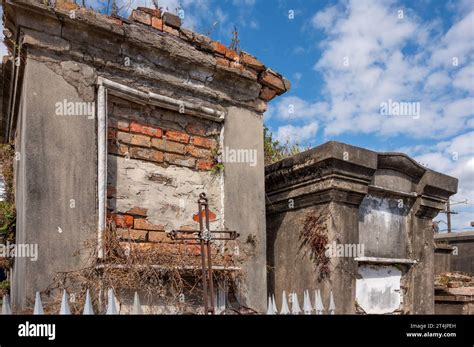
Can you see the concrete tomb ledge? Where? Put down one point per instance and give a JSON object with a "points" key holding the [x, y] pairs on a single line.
{"points": [[456, 236]]}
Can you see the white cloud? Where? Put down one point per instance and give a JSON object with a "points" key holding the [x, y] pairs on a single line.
{"points": [[464, 79], [296, 134], [455, 158], [369, 56], [365, 61], [243, 2], [293, 107], [458, 43], [325, 19]]}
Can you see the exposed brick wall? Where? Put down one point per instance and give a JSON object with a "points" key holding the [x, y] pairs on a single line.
{"points": [[166, 139], [143, 234], [187, 142]]}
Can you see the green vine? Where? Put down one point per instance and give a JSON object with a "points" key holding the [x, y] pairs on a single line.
{"points": [[218, 166], [7, 207]]}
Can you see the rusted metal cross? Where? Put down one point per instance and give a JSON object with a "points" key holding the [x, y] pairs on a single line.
{"points": [[204, 236]]}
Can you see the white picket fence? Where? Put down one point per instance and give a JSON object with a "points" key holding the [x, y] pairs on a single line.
{"points": [[219, 304], [308, 307], [87, 310], [292, 298]]}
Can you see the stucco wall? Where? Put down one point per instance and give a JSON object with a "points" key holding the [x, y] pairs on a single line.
{"points": [[383, 226], [245, 202], [56, 182], [462, 257]]}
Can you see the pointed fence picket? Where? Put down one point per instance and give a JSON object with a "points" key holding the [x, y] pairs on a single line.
{"points": [[137, 307], [65, 304], [272, 309], [88, 309], [6, 307], [38, 304], [308, 308]]}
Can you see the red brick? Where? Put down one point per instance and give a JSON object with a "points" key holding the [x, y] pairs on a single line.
{"points": [[168, 146], [222, 61], [204, 142], [232, 55], [251, 61], [177, 136], [157, 23], [119, 124], [124, 137], [122, 220], [219, 47], [157, 156], [205, 164], [145, 130], [116, 148], [267, 94], [272, 80], [192, 249], [116, 21], [146, 154], [158, 236], [111, 134], [168, 29], [143, 224], [151, 11], [66, 5], [188, 227], [198, 152], [138, 211], [180, 160], [140, 140], [131, 234], [141, 16]]}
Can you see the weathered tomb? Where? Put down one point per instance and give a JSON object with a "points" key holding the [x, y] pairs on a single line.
{"points": [[122, 120], [357, 223]]}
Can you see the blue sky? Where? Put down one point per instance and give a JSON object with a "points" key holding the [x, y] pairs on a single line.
{"points": [[345, 58]]}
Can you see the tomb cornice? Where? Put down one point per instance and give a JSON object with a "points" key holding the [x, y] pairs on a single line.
{"points": [[173, 58]]}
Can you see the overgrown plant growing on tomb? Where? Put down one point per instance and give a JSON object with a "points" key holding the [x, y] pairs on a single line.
{"points": [[131, 266], [7, 207], [218, 165], [314, 235], [275, 151]]}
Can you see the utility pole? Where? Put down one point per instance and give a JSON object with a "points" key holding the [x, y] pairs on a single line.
{"points": [[449, 212], [448, 215]]}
